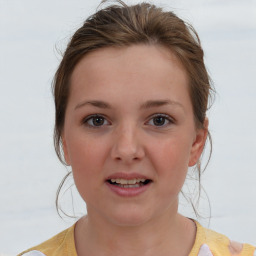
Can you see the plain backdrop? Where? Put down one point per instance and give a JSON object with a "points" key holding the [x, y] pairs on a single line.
{"points": [[31, 34]]}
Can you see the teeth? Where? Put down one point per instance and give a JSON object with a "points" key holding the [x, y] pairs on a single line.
{"points": [[129, 185], [127, 182]]}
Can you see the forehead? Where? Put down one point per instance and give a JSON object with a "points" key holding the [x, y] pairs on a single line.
{"points": [[129, 59], [129, 70]]}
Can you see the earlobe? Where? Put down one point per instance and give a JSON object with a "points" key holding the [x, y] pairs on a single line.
{"points": [[198, 144], [65, 150]]}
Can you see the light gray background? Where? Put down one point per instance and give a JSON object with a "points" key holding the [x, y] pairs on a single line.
{"points": [[30, 172]]}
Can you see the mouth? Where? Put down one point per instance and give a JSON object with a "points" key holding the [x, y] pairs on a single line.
{"points": [[129, 183]]}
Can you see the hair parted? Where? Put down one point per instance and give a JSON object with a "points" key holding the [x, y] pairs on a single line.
{"points": [[120, 25]]}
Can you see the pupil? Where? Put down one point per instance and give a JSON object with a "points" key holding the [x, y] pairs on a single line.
{"points": [[159, 120], [97, 121]]}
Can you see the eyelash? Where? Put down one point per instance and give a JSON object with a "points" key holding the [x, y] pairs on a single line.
{"points": [[166, 118], [91, 117]]}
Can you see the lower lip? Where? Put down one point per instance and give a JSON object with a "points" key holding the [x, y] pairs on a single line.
{"points": [[128, 192]]}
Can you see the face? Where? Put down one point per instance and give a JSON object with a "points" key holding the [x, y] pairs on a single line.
{"points": [[129, 133]]}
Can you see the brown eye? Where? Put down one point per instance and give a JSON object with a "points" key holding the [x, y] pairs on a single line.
{"points": [[159, 120], [98, 121], [95, 121]]}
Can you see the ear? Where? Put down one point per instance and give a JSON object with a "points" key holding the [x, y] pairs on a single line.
{"points": [[65, 149], [198, 144]]}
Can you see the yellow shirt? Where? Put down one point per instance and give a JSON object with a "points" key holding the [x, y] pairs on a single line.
{"points": [[207, 243]]}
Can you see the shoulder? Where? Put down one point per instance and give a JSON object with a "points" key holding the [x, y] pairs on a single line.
{"points": [[61, 244], [211, 243]]}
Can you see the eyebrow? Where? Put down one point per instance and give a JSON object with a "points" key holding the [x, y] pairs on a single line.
{"points": [[95, 103], [145, 105], [159, 103]]}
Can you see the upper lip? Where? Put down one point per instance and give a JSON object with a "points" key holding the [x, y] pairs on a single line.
{"points": [[127, 176]]}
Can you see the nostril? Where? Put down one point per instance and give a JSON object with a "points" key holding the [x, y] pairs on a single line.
{"points": [[127, 149]]}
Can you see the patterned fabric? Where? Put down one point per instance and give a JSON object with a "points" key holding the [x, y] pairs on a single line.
{"points": [[205, 251], [207, 243], [34, 253]]}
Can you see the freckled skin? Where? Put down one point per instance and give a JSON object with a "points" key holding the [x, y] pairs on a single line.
{"points": [[129, 141]]}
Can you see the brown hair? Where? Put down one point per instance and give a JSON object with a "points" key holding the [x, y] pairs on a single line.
{"points": [[121, 26]]}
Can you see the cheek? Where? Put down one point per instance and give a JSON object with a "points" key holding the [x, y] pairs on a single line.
{"points": [[171, 160], [85, 154], [87, 160]]}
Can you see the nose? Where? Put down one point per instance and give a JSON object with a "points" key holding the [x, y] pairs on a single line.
{"points": [[127, 145]]}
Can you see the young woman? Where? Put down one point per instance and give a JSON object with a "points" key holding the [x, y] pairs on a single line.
{"points": [[131, 95]]}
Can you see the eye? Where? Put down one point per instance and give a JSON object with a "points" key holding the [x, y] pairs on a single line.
{"points": [[95, 121], [160, 120]]}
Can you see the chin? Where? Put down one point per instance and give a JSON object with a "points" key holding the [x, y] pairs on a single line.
{"points": [[131, 217]]}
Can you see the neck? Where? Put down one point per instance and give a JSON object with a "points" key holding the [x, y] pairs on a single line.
{"points": [[169, 234]]}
